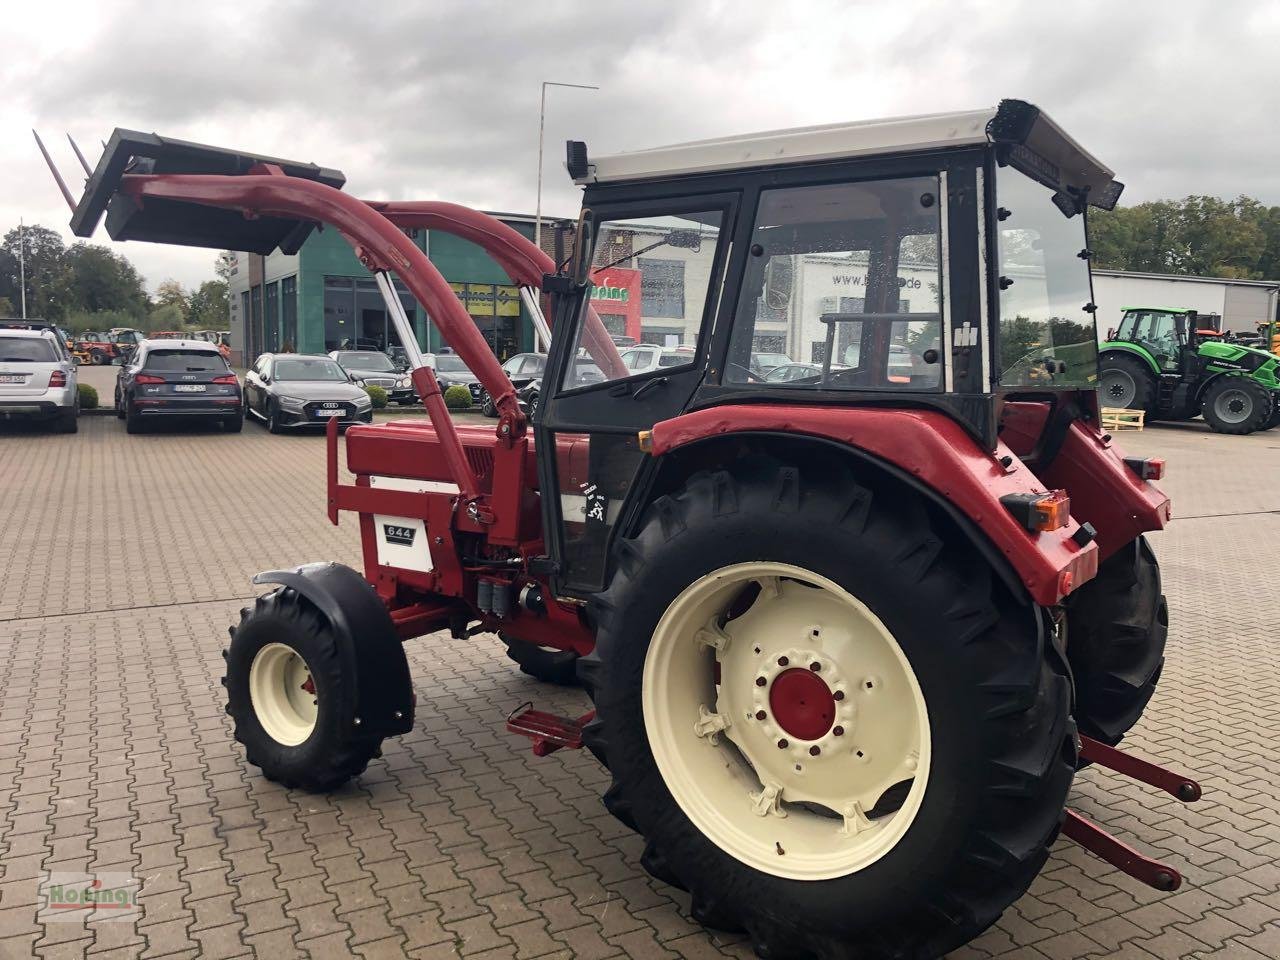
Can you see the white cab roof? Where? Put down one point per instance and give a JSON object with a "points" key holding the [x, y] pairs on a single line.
{"points": [[894, 135], [830, 142]]}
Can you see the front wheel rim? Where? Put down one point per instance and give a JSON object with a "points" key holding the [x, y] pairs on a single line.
{"points": [[283, 694], [793, 733]]}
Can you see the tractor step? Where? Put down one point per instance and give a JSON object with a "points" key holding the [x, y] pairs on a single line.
{"points": [[548, 731], [1116, 852]]}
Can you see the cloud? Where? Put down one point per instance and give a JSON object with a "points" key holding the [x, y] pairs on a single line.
{"points": [[441, 99]]}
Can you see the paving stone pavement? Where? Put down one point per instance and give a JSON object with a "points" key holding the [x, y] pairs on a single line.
{"points": [[124, 559]]}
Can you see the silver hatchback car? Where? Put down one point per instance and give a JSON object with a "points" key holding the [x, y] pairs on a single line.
{"points": [[37, 376]]}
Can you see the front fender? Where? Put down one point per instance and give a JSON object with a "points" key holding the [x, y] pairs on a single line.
{"points": [[935, 450], [368, 644]]}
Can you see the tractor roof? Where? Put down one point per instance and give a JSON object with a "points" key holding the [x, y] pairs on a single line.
{"points": [[1161, 309], [1013, 122]]}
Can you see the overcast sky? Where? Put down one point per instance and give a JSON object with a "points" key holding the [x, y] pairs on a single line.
{"points": [[440, 99]]}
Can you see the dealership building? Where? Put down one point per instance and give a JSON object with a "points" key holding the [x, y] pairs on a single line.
{"points": [[323, 299]]}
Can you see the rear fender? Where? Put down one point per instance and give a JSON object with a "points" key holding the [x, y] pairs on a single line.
{"points": [[943, 459], [367, 641]]}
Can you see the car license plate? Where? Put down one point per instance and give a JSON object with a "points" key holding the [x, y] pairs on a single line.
{"points": [[189, 387], [330, 413], [13, 378]]}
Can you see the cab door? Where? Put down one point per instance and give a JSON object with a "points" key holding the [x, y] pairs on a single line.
{"points": [[656, 271]]}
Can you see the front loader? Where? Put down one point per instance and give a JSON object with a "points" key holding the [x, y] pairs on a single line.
{"points": [[849, 636]]}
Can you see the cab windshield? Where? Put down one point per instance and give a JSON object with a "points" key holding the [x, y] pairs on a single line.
{"points": [[1047, 337]]}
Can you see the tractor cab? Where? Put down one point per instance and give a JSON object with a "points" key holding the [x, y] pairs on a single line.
{"points": [[933, 263]]}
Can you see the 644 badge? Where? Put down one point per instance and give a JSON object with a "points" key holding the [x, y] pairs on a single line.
{"points": [[397, 534]]}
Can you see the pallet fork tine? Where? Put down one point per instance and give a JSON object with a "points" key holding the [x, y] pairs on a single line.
{"points": [[88, 171], [62, 184]]}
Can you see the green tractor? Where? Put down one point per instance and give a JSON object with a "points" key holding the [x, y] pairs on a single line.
{"points": [[1175, 364]]}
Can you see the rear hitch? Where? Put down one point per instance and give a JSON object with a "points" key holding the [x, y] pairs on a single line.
{"points": [[1116, 852], [548, 731]]}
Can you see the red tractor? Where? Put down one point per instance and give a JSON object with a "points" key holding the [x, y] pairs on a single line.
{"points": [[849, 634]]}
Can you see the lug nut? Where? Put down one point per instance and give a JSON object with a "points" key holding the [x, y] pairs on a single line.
{"points": [[815, 750], [838, 731], [815, 666], [761, 681], [838, 695], [782, 744], [783, 661], [760, 714]]}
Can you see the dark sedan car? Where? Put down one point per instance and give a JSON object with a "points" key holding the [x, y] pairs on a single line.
{"points": [[177, 378], [371, 368], [452, 370], [523, 368], [287, 390]]}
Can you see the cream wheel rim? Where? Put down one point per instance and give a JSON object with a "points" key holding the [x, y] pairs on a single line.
{"points": [[283, 694], [786, 721]]}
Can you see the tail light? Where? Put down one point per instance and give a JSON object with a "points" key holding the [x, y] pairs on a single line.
{"points": [[227, 378], [57, 379], [147, 378], [1150, 468], [1039, 512]]}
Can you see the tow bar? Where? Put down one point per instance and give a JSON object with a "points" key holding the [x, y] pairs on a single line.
{"points": [[1116, 852]]}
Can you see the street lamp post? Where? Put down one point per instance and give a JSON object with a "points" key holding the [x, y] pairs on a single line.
{"points": [[22, 265], [542, 123]]}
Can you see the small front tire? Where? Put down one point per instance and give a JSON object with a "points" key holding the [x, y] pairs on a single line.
{"points": [[542, 663], [289, 698]]}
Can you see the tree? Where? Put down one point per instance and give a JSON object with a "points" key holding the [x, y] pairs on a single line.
{"points": [[101, 280], [225, 265], [170, 294], [1198, 235], [209, 306], [165, 316], [6, 308], [47, 281]]}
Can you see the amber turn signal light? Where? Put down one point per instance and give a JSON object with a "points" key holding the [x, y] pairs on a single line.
{"points": [[1151, 468], [1039, 512]]}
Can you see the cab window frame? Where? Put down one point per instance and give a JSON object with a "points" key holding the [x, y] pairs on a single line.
{"points": [[727, 204]]}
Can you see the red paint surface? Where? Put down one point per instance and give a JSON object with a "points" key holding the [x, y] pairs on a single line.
{"points": [[802, 704], [937, 451]]}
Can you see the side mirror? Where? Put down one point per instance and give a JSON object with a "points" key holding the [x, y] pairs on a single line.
{"points": [[583, 246], [1180, 323], [685, 239]]}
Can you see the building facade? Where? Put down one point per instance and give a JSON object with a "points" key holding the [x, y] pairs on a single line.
{"points": [[1242, 304], [323, 299]]}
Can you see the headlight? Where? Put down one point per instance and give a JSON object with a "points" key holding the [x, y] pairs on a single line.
{"points": [[290, 403], [403, 383], [363, 400]]}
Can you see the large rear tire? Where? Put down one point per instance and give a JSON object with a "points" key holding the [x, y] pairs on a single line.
{"points": [[1236, 404], [1117, 624], [830, 722], [289, 697], [1125, 382]]}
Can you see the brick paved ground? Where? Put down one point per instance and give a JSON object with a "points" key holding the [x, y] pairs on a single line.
{"points": [[124, 559]]}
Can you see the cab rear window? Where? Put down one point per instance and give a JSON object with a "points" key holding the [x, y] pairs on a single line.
{"points": [[185, 361], [27, 350]]}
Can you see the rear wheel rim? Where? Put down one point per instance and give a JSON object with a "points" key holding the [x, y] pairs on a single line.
{"points": [[1233, 406], [809, 758], [283, 694], [1118, 388]]}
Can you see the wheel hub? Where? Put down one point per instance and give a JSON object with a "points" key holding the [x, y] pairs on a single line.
{"points": [[802, 703]]}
